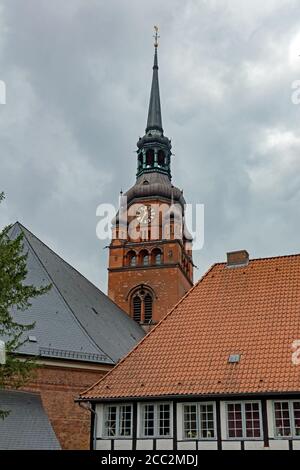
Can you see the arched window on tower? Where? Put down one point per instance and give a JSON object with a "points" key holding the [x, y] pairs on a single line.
{"points": [[131, 258], [149, 158], [156, 256], [161, 158], [144, 258], [137, 308], [142, 305]]}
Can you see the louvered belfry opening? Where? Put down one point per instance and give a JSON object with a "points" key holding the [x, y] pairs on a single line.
{"points": [[142, 306], [147, 308], [137, 308]]}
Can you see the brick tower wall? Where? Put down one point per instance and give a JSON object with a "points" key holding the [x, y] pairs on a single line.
{"points": [[169, 284]]}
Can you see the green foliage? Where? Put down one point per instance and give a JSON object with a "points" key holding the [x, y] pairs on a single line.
{"points": [[15, 295]]}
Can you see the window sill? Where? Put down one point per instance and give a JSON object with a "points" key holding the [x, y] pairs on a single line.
{"points": [[234, 439], [199, 439]]}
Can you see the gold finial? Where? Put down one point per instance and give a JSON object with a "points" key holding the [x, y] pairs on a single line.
{"points": [[156, 36]]}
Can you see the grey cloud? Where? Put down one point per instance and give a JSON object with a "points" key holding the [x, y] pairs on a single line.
{"points": [[78, 82]]}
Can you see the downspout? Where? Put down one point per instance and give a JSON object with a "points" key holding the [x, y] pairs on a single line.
{"points": [[88, 406]]}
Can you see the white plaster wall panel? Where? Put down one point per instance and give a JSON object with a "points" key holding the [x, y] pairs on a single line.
{"points": [[188, 445], [164, 444], [270, 418], [144, 444], [207, 445], [279, 444], [99, 418], [179, 422], [103, 445], [231, 445], [296, 445], [123, 444], [223, 420], [254, 445]]}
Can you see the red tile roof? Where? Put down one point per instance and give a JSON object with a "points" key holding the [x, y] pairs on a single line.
{"points": [[251, 310]]}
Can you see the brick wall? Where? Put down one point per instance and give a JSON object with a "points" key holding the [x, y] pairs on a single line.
{"points": [[59, 386], [168, 284]]}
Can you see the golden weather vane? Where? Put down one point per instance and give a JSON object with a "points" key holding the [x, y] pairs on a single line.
{"points": [[156, 36]]}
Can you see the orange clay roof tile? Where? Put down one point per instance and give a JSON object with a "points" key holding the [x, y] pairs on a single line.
{"points": [[253, 311]]}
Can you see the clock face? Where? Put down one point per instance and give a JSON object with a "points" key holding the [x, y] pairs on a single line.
{"points": [[145, 214]]}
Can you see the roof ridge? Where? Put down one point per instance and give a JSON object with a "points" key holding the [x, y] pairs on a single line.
{"points": [[152, 331], [292, 255], [263, 258], [58, 290]]}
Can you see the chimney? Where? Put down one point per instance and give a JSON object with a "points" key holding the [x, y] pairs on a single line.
{"points": [[237, 258]]}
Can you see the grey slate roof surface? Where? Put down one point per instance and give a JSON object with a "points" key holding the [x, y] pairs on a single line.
{"points": [[27, 427], [74, 320]]}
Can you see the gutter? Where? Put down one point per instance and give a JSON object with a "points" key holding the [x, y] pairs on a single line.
{"points": [[228, 396], [87, 406]]}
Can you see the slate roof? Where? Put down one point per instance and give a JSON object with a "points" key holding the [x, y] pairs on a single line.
{"points": [[27, 427], [75, 320], [252, 310]]}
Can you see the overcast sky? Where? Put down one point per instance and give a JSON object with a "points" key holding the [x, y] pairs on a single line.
{"points": [[78, 76]]}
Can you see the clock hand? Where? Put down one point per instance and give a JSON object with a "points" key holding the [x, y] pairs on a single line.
{"points": [[144, 217]]}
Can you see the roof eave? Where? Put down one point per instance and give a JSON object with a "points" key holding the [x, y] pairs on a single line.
{"points": [[189, 396]]}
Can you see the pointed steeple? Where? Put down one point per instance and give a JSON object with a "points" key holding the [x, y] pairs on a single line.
{"points": [[154, 121], [154, 148]]}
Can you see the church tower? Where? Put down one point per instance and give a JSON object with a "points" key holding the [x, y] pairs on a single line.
{"points": [[150, 255]]}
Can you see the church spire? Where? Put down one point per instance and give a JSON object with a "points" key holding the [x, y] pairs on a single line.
{"points": [[154, 121], [154, 148]]}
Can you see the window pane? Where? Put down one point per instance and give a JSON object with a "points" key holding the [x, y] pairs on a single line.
{"points": [[234, 420], [296, 408], [252, 418], [207, 421], [158, 258], [148, 420], [125, 420], [190, 421], [164, 420], [282, 419], [110, 423]]}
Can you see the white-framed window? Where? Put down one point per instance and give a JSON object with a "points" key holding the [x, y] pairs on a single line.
{"points": [[117, 421], [286, 418], [244, 420], [156, 420], [199, 421]]}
